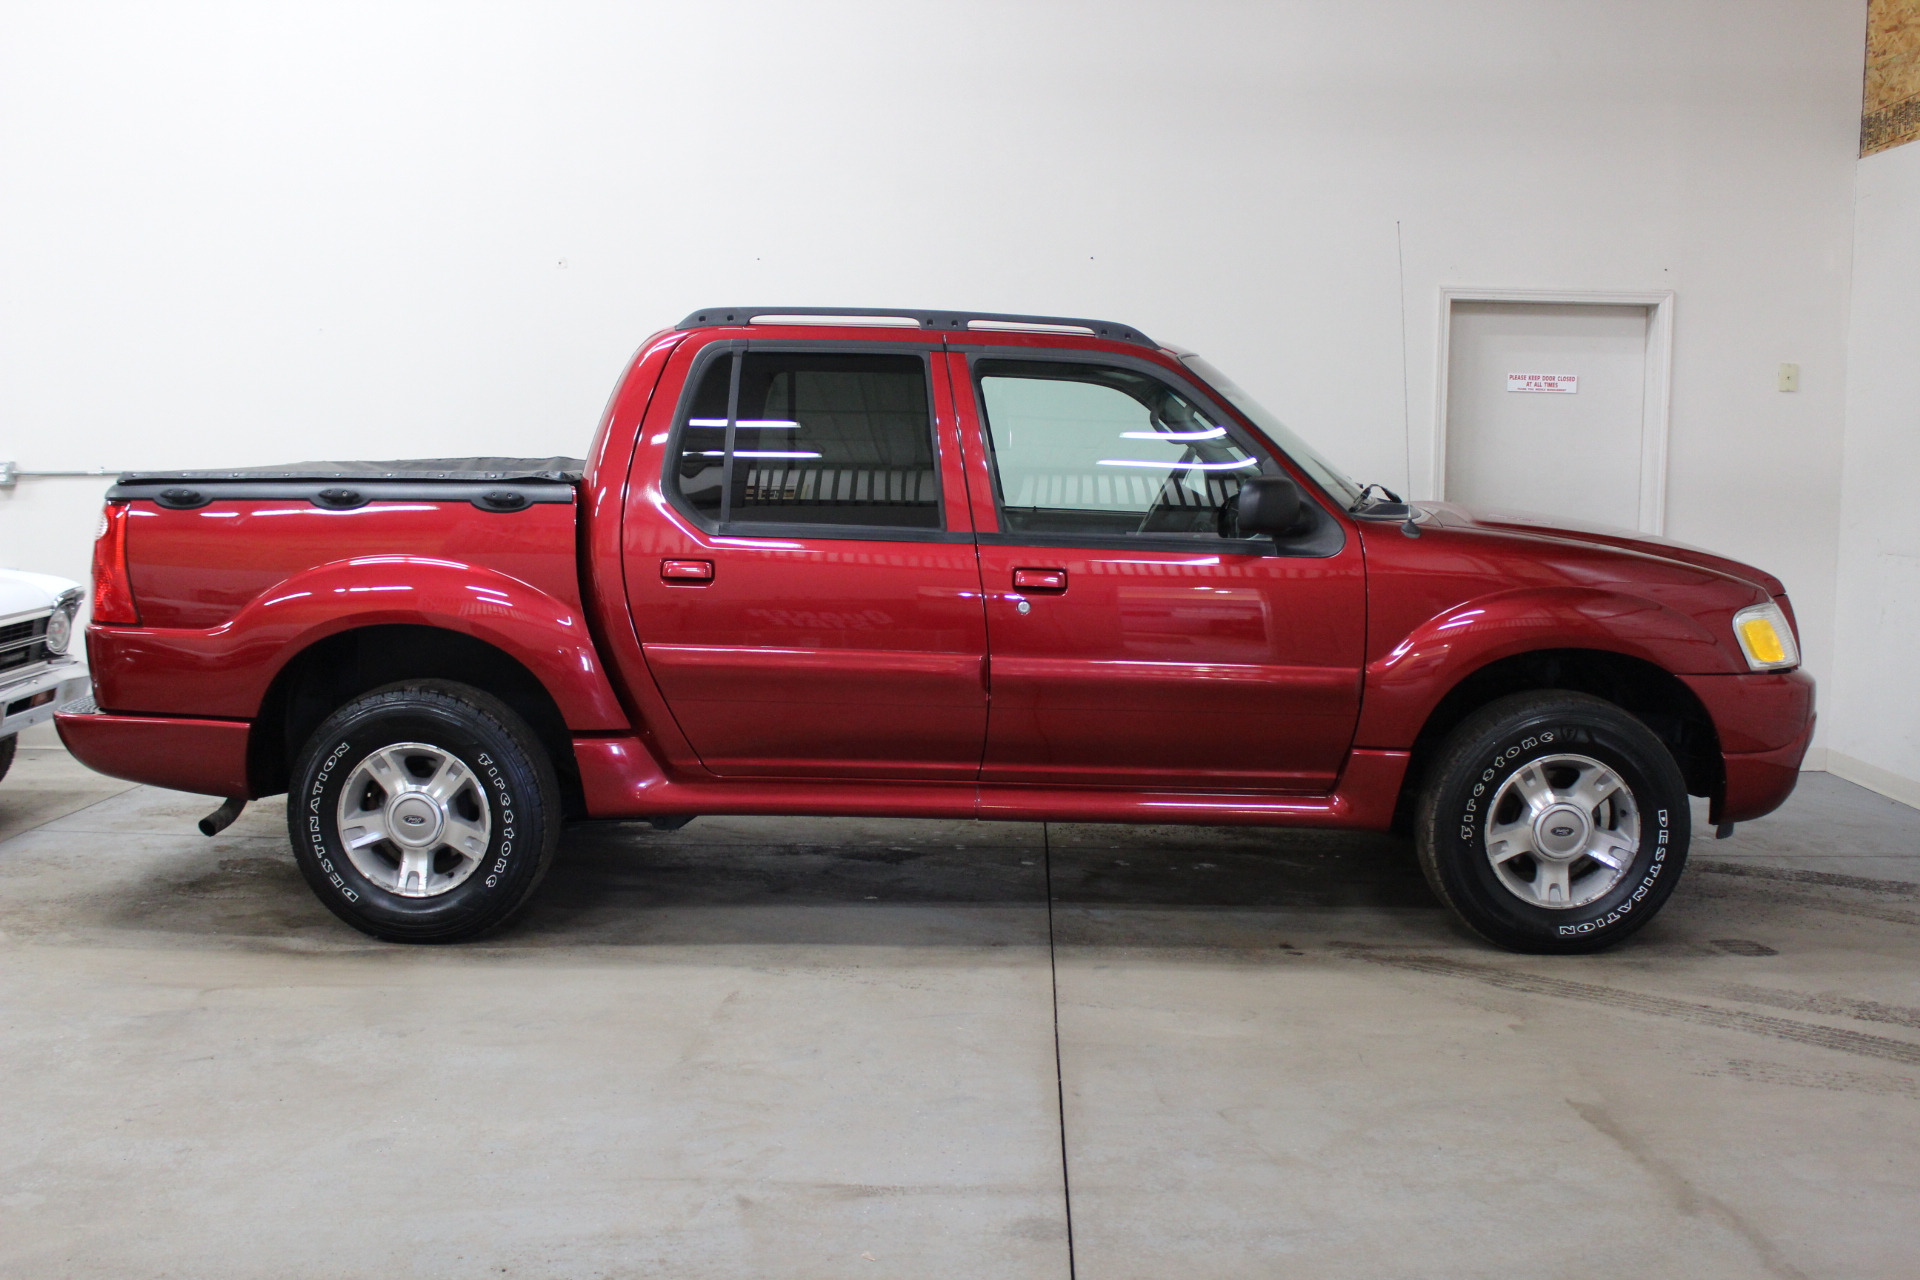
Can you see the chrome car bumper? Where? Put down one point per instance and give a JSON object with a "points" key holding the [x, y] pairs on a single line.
{"points": [[31, 697]]}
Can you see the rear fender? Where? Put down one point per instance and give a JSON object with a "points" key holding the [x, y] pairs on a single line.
{"points": [[226, 671], [1404, 685]]}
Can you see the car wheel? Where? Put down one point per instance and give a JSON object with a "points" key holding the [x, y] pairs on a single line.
{"points": [[424, 812], [1553, 822], [7, 748]]}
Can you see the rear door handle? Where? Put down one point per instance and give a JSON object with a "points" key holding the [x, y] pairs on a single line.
{"points": [[691, 573], [1040, 580]]}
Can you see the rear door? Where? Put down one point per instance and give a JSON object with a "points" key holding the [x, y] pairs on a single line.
{"points": [[1130, 642], [804, 587]]}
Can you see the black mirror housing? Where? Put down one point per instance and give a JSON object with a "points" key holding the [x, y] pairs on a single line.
{"points": [[1271, 505]]}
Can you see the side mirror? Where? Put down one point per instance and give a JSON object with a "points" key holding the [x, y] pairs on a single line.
{"points": [[1270, 505]]}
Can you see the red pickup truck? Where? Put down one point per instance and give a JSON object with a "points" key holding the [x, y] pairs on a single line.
{"points": [[928, 564]]}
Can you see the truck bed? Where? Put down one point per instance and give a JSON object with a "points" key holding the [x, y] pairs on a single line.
{"points": [[205, 544]]}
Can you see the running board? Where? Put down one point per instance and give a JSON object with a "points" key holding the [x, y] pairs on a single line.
{"points": [[622, 780]]}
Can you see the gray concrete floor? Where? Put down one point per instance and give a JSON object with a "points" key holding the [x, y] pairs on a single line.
{"points": [[762, 1048]]}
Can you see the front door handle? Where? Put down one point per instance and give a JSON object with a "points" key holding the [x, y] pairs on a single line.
{"points": [[687, 573], [1054, 580]]}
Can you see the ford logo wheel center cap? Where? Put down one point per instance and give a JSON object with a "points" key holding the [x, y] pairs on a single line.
{"points": [[1561, 832]]}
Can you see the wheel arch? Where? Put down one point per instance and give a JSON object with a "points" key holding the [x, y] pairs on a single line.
{"points": [[339, 667], [1643, 689]]}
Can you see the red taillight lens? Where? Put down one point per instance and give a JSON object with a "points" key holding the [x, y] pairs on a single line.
{"points": [[112, 589]]}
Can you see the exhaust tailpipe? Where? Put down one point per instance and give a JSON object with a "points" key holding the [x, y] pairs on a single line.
{"points": [[222, 818]]}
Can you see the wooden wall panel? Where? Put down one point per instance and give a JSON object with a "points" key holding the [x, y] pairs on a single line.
{"points": [[1891, 112]]}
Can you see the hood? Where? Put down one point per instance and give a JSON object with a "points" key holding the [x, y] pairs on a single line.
{"points": [[29, 592], [1560, 527]]}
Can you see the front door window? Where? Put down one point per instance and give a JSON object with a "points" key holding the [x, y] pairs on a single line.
{"points": [[1093, 450]]}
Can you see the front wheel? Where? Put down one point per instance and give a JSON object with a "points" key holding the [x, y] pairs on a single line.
{"points": [[424, 812], [1553, 822]]}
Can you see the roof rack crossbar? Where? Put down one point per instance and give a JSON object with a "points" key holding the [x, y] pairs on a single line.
{"points": [[939, 320]]}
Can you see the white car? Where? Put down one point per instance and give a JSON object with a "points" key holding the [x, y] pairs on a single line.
{"points": [[37, 675]]}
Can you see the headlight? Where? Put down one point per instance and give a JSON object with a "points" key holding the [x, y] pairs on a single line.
{"points": [[1766, 638], [59, 631], [60, 622]]}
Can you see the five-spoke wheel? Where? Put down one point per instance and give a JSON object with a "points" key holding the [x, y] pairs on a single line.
{"points": [[414, 819], [1562, 830]]}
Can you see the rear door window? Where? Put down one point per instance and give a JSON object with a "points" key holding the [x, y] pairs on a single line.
{"points": [[818, 439]]}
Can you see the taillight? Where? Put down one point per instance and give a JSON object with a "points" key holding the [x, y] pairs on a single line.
{"points": [[112, 589]]}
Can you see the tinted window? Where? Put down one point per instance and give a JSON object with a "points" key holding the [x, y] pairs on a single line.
{"points": [[701, 474], [817, 438], [1086, 449]]}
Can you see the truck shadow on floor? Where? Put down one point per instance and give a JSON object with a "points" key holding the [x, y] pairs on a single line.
{"points": [[629, 883], [769, 881]]}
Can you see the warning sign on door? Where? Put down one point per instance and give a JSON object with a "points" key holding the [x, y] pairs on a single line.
{"points": [[1564, 383]]}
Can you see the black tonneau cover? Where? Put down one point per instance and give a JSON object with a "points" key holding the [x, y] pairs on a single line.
{"points": [[491, 484], [412, 470]]}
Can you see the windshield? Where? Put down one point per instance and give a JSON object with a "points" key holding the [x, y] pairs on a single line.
{"points": [[1329, 477]]}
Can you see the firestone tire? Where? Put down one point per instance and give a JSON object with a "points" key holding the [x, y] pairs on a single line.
{"points": [[1553, 823], [449, 804]]}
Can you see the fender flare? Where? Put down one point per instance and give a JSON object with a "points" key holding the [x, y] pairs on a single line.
{"points": [[546, 635], [1405, 685]]}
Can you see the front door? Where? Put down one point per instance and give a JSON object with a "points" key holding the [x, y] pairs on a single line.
{"points": [[1131, 641], [806, 592]]}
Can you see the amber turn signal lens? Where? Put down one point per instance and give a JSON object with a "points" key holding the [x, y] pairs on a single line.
{"points": [[1763, 642], [1766, 638]]}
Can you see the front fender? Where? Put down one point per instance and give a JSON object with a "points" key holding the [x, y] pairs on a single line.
{"points": [[1405, 684], [224, 671]]}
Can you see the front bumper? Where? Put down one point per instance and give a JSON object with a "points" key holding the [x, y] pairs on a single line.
{"points": [[33, 698], [1765, 723], [1758, 782]]}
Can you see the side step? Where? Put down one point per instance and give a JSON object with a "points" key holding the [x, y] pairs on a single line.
{"points": [[622, 780]]}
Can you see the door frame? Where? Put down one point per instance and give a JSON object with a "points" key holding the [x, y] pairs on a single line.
{"points": [[653, 527], [1656, 396]]}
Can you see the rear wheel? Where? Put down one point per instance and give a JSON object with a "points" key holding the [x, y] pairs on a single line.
{"points": [[424, 812], [1553, 822]]}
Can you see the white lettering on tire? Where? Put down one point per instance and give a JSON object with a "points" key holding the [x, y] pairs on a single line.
{"points": [[314, 832], [1640, 891]]}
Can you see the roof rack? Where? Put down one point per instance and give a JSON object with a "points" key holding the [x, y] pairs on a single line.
{"points": [[945, 320]]}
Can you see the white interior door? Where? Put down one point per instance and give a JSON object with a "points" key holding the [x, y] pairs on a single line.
{"points": [[1546, 408]]}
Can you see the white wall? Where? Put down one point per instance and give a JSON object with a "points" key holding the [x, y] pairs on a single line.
{"points": [[1873, 706], [255, 233]]}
